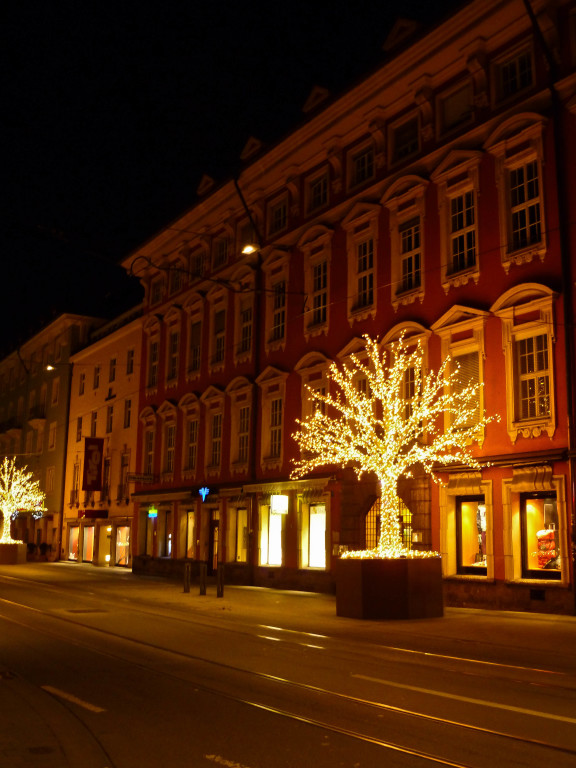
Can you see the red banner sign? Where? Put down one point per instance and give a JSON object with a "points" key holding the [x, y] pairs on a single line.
{"points": [[92, 478]]}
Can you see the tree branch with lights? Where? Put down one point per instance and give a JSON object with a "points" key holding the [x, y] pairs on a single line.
{"points": [[385, 430], [19, 492]]}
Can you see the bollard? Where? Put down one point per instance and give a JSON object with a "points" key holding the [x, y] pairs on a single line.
{"points": [[220, 580], [203, 574], [187, 573]]}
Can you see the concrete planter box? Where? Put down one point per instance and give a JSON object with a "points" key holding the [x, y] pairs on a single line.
{"points": [[389, 589], [13, 554]]}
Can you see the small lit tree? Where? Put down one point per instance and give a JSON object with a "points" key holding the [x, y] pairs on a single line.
{"points": [[18, 492], [391, 426]]}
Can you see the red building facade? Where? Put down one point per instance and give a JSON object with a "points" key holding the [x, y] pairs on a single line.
{"points": [[435, 199]]}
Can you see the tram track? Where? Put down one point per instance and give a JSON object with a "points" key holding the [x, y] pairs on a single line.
{"points": [[309, 690]]}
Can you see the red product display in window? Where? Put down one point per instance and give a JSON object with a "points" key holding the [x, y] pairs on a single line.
{"points": [[546, 547]]}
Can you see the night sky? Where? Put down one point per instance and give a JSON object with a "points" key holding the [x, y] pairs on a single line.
{"points": [[114, 110]]}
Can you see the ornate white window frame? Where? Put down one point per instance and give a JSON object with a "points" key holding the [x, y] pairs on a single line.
{"points": [[462, 330], [240, 393], [456, 176], [517, 143], [276, 268], [168, 415], [361, 227], [272, 383], [316, 248], [313, 372], [525, 480], [190, 407], [405, 200], [213, 400], [527, 311]]}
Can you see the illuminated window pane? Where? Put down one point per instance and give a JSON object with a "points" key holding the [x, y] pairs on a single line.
{"points": [[471, 534], [317, 536], [540, 536]]}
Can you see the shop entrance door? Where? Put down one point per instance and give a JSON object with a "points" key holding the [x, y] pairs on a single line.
{"points": [[213, 546]]}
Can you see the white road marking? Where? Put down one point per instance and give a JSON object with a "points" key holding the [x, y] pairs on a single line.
{"points": [[480, 702], [222, 761], [72, 699]]}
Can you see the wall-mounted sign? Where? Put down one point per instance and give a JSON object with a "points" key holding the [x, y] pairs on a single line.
{"points": [[204, 492], [152, 512]]}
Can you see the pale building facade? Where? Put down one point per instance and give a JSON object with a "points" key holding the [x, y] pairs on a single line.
{"points": [[103, 422]]}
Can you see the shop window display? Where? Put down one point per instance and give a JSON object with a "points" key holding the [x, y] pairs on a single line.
{"points": [[471, 535], [540, 536]]}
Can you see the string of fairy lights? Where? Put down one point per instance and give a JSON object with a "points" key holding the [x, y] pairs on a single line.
{"points": [[375, 429]]}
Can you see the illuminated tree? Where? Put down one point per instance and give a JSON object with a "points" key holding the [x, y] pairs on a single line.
{"points": [[18, 492], [391, 425]]}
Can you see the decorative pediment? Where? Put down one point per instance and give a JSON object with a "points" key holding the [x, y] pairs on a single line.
{"points": [[359, 213], [167, 410], [238, 384], [354, 347], [404, 188], [455, 161], [152, 325], [206, 184], [514, 127], [189, 402], [315, 236], [251, 148], [410, 330], [148, 416], [459, 314], [311, 360], [523, 294], [211, 395], [400, 33], [270, 374]]}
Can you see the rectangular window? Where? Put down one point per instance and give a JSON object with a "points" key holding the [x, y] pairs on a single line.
{"points": [[525, 205], [243, 433], [245, 329], [149, 452], [540, 536], [467, 366], [96, 380], [220, 252], [123, 489], [105, 479], [173, 355], [216, 440], [515, 75], [279, 312], [176, 274], [278, 217], [79, 429], [270, 537], [170, 446], [109, 418], [52, 436], [153, 361], [317, 193], [194, 346], [409, 391], [533, 377], [462, 233], [191, 444], [456, 108], [362, 166], [156, 290], [50, 479], [276, 428], [112, 371], [81, 383], [130, 362], [410, 255], [241, 536], [365, 273], [319, 292], [127, 412], [405, 139], [317, 536], [219, 335], [55, 392], [471, 535], [93, 423]]}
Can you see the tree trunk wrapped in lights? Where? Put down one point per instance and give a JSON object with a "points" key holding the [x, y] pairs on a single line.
{"points": [[18, 492], [388, 428]]}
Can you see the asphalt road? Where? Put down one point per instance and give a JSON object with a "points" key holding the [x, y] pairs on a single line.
{"points": [[103, 669]]}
